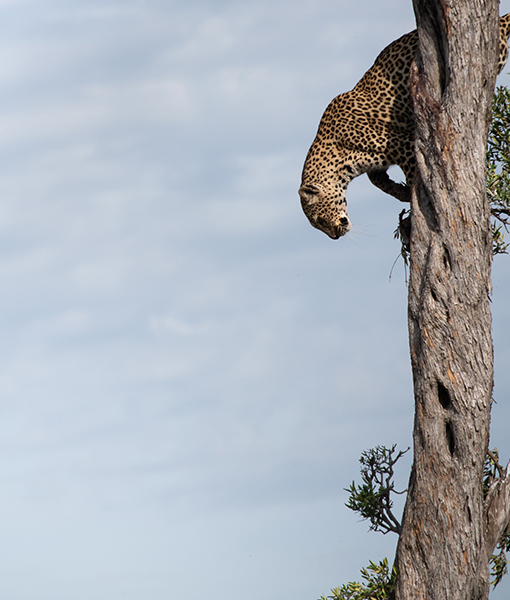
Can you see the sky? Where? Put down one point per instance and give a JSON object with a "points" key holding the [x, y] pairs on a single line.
{"points": [[189, 372]]}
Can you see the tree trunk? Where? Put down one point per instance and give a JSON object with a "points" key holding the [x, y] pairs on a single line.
{"points": [[449, 532]]}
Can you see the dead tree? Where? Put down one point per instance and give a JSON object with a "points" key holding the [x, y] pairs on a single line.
{"points": [[449, 530]]}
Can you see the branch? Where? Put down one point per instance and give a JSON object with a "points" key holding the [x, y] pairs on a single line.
{"points": [[372, 499], [497, 510], [495, 460]]}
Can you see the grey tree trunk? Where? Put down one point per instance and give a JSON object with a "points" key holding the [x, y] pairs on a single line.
{"points": [[449, 531]]}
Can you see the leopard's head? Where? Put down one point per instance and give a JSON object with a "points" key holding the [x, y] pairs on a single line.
{"points": [[326, 208]]}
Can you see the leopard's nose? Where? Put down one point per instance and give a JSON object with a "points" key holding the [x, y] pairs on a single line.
{"points": [[339, 230], [344, 227]]}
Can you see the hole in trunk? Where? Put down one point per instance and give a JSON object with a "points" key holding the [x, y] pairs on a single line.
{"points": [[443, 395]]}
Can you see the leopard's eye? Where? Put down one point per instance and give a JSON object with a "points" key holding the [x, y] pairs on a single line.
{"points": [[310, 189]]}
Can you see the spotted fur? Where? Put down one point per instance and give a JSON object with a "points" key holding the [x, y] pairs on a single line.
{"points": [[367, 130]]}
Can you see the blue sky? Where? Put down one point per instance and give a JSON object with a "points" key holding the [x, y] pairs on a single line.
{"points": [[188, 371]]}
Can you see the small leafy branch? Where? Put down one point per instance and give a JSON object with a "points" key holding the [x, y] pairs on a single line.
{"points": [[498, 562], [498, 168], [372, 499], [379, 584], [498, 178]]}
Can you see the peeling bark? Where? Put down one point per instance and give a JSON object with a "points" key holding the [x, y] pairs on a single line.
{"points": [[448, 533]]}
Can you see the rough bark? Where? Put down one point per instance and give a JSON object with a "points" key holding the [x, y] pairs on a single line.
{"points": [[448, 531]]}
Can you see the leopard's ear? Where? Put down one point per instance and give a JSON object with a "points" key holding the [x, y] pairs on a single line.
{"points": [[309, 194]]}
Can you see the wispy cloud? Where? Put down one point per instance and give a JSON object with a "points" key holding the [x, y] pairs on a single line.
{"points": [[188, 371]]}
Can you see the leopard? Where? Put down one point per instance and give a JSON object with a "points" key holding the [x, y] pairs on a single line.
{"points": [[367, 130]]}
